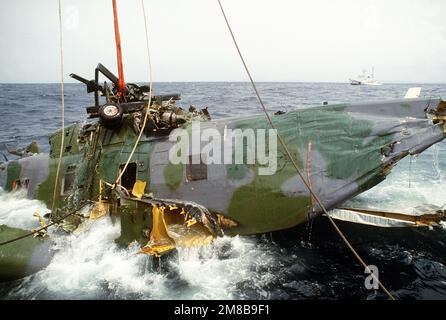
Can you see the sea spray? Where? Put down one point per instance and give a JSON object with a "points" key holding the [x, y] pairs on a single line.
{"points": [[90, 265], [17, 211]]}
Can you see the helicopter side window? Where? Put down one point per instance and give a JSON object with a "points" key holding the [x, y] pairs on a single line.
{"points": [[196, 172], [20, 183], [68, 180], [128, 179]]}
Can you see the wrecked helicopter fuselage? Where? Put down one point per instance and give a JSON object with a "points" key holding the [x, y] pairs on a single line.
{"points": [[343, 150]]}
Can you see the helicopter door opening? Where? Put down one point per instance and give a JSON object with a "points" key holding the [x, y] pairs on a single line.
{"points": [[22, 183], [68, 180], [128, 179], [198, 171]]}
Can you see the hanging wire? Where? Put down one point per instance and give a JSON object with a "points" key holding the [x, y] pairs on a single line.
{"points": [[282, 142], [62, 110]]}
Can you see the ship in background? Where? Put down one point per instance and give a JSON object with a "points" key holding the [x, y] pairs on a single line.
{"points": [[365, 79]]}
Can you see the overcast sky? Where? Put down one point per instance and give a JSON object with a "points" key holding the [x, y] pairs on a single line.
{"points": [[282, 40]]}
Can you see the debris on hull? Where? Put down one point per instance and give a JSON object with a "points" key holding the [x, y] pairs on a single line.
{"points": [[423, 216], [172, 229]]}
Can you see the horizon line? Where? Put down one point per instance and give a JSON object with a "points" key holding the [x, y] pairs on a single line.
{"points": [[238, 81]]}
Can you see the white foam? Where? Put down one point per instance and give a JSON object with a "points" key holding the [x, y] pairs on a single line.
{"points": [[91, 265], [214, 277], [17, 211]]}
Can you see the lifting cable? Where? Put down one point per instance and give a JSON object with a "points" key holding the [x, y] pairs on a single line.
{"points": [[62, 111], [150, 99], [282, 142]]}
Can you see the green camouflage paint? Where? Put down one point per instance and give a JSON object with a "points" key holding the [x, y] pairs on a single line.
{"points": [[23, 257], [136, 223], [173, 175], [262, 206], [12, 173]]}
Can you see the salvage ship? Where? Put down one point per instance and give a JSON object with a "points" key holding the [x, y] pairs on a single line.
{"points": [[365, 79]]}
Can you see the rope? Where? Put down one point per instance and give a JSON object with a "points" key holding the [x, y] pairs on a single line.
{"points": [[62, 140], [282, 142], [150, 99]]}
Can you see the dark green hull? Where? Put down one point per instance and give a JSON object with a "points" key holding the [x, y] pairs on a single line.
{"points": [[24, 257]]}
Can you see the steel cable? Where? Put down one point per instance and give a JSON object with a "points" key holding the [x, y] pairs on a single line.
{"points": [[282, 142]]}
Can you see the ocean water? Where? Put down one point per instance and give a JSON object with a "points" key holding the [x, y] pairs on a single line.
{"points": [[306, 262]]}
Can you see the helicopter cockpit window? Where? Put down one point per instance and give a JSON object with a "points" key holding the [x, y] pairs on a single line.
{"points": [[128, 179], [22, 183], [196, 171], [68, 179]]}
